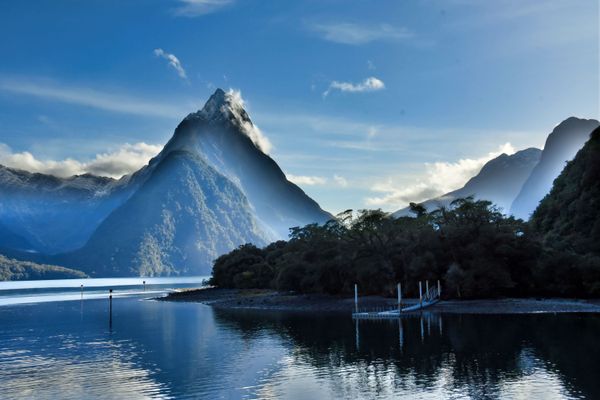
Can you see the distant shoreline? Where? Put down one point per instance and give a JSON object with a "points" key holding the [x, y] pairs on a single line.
{"points": [[269, 300]]}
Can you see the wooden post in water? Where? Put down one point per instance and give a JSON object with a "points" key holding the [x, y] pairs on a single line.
{"points": [[81, 292], [144, 285], [355, 297], [399, 288], [427, 290], [439, 290], [110, 308], [420, 294]]}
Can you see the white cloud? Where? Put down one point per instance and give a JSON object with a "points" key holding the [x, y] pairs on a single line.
{"points": [[370, 84], [355, 34], [114, 102], [340, 180], [306, 180], [440, 178], [251, 130], [196, 8], [124, 160], [173, 62]]}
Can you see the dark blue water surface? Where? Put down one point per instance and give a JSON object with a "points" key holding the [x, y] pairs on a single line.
{"points": [[66, 349]]}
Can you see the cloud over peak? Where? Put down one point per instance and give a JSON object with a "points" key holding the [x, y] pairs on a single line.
{"points": [[370, 84], [173, 62], [250, 129]]}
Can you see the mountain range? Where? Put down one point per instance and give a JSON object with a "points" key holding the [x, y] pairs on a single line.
{"points": [[211, 189], [517, 183], [499, 180]]}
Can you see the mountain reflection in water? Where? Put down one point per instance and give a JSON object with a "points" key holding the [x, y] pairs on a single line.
{"points": [[186, 350]]}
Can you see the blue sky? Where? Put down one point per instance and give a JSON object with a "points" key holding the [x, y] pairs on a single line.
{"points": [[366, 103]]}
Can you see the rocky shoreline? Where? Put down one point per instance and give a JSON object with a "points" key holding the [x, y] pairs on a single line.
{"points": [[259, 299]]}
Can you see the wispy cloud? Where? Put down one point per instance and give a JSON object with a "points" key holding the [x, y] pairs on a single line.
{"points": [[356, 34], [370, 84], [125, 159], [440, 178], [196, 8], [173, 62], [83, 96], [306, 180]]}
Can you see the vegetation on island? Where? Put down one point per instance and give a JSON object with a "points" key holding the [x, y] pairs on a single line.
{"points": [[470, 246], [15, 270]]}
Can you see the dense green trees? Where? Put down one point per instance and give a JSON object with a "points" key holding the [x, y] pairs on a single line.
{"points": [[568, 223], [15, 270], [470, 246]]}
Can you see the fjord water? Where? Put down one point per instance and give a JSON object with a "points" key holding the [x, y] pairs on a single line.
{"points": [[155, 349]]}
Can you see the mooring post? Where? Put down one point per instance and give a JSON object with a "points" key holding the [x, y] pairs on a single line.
{"points": [[439, 289], [144, 282], [399, 297], [355, 297], [420, 294], [110, 308], [81, 292], [427, 290]]}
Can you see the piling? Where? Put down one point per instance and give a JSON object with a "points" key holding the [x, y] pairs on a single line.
{"points": [[355, 297], [427, 289], [144, 282], [81, 292], [420, 294], [439, 289], [110, 308], [399, 288]]}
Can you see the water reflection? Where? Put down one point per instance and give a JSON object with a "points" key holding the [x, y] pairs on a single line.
{"points": [[185, 350], [528, 356]]}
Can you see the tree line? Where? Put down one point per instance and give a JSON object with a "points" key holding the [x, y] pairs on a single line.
{"points": [[470, 246]]}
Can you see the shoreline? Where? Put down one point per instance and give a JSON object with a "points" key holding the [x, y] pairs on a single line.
{"points": [[270, 300]]}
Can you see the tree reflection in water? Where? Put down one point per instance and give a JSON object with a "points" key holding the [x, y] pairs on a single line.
{"points": [[478, 356]]}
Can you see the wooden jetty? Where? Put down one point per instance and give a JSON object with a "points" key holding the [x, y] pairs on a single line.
{"points": [[427, 299]]}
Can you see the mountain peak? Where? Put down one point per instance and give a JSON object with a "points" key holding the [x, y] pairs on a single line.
{"points": [[223, 105], [226, 109]]}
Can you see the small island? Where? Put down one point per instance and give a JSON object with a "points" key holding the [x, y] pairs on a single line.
{"points": [[486, 261]]}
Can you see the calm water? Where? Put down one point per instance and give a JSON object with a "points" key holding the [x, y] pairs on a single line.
{"points": [[65, 349]]}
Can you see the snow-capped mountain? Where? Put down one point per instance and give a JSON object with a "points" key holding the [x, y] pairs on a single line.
{"points": [[224, 135]]}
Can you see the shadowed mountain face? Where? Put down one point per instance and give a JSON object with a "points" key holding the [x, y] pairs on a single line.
{"points": [[211, 189], [499, 181], [569, 216], [181, 218], [561, 146]]}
